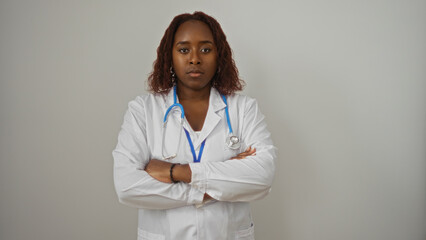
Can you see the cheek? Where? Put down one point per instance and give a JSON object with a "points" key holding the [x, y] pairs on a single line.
{"points": [[178, 63], [213, 67], [211, 62]]}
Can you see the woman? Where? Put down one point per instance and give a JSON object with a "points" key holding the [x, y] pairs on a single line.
{"points": [[194, 178]]}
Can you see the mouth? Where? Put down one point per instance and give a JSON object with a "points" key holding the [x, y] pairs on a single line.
{"points": [[194, 72]]}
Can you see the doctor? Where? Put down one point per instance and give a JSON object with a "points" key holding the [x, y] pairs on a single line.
{"points": [[192, 154]]}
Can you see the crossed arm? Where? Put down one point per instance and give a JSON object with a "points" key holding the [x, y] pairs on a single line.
{"points": [[160, 170], [146, 184]]}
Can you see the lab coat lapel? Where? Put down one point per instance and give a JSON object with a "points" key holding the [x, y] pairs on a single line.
{"points": [[212, 118]]}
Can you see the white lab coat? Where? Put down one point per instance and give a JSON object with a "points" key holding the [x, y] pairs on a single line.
{"points": [[177, 211]]}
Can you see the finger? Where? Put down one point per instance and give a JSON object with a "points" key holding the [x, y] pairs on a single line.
{"points": [[238, 157], [241, 156], [250, 149], [248, 153], [253, 150], [244, 154]]}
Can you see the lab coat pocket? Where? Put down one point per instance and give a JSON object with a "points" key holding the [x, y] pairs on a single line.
{"points": [[144, 235], [245, 234]]}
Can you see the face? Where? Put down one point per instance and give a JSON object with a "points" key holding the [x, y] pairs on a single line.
{"points": [[194, 55]]}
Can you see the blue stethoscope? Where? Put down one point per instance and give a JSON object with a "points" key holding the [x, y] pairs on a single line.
{"points": [[232, 141]]}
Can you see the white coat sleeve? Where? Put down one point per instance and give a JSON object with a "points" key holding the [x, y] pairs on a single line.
{"points": [[134, 186], [247, 179]]}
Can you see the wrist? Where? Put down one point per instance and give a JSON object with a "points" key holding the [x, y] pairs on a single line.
{"points": [[171, 172], [182, 173]]}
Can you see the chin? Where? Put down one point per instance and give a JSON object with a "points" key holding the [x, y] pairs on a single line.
{"points": [[196, 84]]}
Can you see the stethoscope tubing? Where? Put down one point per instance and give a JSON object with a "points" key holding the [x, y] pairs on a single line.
{"points": [[196, 159], [227, 115]]}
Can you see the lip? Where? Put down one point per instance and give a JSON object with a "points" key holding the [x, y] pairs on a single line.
{"points": [[194, 72]]}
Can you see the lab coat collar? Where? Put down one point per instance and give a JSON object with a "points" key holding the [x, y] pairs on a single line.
{"points": [[215, 99], [216, 102], [212, 118]]}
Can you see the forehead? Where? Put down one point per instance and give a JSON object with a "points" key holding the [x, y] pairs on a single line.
{"points": [[193, 31]]}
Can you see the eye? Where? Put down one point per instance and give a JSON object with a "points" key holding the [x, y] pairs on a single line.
{"points": [[183, 50], [206, 50]]}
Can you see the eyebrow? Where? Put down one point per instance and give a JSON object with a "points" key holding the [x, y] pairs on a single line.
{"points": [[187, 42]]}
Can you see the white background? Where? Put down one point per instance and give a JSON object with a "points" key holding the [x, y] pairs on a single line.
{"points": [[342, 84]]}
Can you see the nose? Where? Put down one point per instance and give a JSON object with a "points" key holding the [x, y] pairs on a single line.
{"points": [[194, 58]]}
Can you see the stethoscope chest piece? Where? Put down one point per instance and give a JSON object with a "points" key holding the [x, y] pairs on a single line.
{"points": [[233, 142]]}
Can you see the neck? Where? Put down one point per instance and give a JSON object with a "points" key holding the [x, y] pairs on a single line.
{"points": [[185, 93]]}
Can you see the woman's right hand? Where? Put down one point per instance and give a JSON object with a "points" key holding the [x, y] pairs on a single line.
{"points": [[248, 152]]}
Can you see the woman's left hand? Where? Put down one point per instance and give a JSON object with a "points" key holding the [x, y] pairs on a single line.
{"points": [[159, 170]]}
